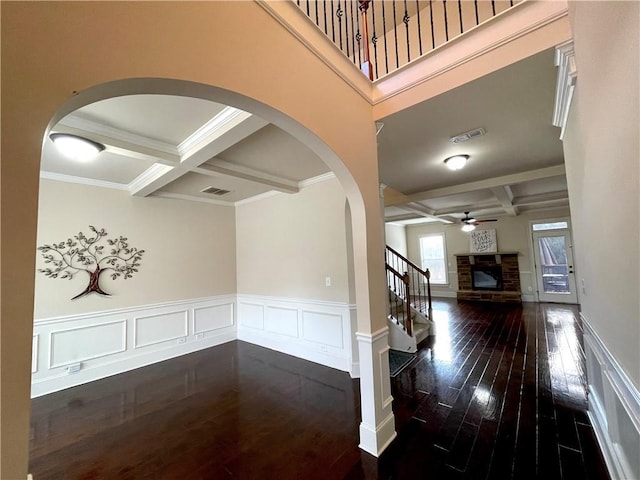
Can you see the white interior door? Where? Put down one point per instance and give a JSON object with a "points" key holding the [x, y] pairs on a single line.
{"points": [[554, 266]]}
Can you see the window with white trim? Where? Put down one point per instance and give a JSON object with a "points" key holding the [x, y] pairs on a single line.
{"points": [[433, 256]]}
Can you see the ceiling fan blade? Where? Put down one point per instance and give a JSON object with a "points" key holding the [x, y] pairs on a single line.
{"points": [[487, 220]]}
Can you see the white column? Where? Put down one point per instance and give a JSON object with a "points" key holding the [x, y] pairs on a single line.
{"points": [[377, 428]]}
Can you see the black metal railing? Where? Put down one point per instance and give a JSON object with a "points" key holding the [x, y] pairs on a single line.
{"points": [[417, 280], [380, 36]]}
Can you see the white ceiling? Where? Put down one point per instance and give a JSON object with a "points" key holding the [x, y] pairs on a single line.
{"points": [[516, 166], [169, 146], [158, 145]]}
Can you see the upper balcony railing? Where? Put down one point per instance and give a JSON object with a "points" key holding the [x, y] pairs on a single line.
{"points": [[381, 36]]}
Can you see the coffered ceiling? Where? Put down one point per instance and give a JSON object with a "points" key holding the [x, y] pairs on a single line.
{"points": [[178, 147]]}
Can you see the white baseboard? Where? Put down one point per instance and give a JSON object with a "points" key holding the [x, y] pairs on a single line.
{"points": [[614, 407], [443, 294]]}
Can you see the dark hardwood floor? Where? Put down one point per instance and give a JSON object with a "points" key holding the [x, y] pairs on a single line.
{"points": [[499, 394]]}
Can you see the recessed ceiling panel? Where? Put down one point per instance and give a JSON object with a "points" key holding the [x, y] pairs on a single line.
{"points": [[553, 184], [193, 183], [479, 197], [274, 151], [166, 118]]}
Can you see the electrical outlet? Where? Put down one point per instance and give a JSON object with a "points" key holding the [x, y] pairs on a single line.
{"points": [[327, 281], [199, 336], [323, 348], [182, 340], [529, 289], [584, 288], [74, 367]]}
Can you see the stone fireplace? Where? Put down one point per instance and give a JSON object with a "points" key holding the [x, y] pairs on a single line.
{"points": [[489, 277]]}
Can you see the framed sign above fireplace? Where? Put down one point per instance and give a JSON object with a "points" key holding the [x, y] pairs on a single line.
{"points": [[483, 241]]}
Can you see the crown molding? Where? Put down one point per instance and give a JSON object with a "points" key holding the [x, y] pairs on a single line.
{"points": [[567, 76], [60, 177], [256, 198], [210, 130], [156, 170], [317, 179], [191, 198]]}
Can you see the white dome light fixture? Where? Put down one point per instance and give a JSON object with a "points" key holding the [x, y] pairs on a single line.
{"points": [[75, 147], [468, 227], [456, 162]]}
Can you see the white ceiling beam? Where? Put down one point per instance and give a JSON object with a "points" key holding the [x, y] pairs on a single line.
{"points": [[422, 211], [474, 208], [541, 198], [505, 196], [226, 129], [220, 168], [489, 183], [122, 143]]}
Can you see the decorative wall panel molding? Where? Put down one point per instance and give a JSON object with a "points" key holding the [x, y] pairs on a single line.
{"points": [[77, 349], [614, 407], [163, 327], [317, 331]]}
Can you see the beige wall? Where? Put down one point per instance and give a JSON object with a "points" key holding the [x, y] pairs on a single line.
{"points": [[189, 248], [512, 235], [601, 147], [232, 52], [288, 244], [396, 237]]}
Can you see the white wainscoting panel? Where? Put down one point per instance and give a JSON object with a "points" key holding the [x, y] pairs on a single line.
{"points": [[154, 329], [614, 407], [283, 321], [87, 342], [208, 319], [323, 328], [251, 315], [317, 331], [34, 354], [106, 343]]}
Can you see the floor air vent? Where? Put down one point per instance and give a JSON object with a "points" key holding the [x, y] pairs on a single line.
{"points": [[215, 191]]}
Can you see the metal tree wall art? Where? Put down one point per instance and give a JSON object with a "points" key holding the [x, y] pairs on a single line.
{"points": [[82, 253]]}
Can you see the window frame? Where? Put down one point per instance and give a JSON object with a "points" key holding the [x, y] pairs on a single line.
{"points": [[445, 262]]}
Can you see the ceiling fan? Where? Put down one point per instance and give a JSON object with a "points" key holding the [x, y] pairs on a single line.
{"points": [[469, 223]]}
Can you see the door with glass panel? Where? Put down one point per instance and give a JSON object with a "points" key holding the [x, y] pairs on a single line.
{"points": [[554, 263]]}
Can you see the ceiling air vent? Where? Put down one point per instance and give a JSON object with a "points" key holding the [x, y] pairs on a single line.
{"points": [[463, 137], [215, 191]]}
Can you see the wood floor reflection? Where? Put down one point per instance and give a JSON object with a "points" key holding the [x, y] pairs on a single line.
{"points": [[499, 394]]}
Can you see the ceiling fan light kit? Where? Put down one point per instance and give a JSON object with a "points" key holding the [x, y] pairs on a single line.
{"points": [[75, 147], [456, 162], [469, 224]]}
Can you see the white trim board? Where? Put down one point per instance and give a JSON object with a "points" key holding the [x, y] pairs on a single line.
{"points": [[614, 407]]}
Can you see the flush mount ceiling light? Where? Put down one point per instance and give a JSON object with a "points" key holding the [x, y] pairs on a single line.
{"points": [[456, 162], [468, 227], [76, 148]]}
